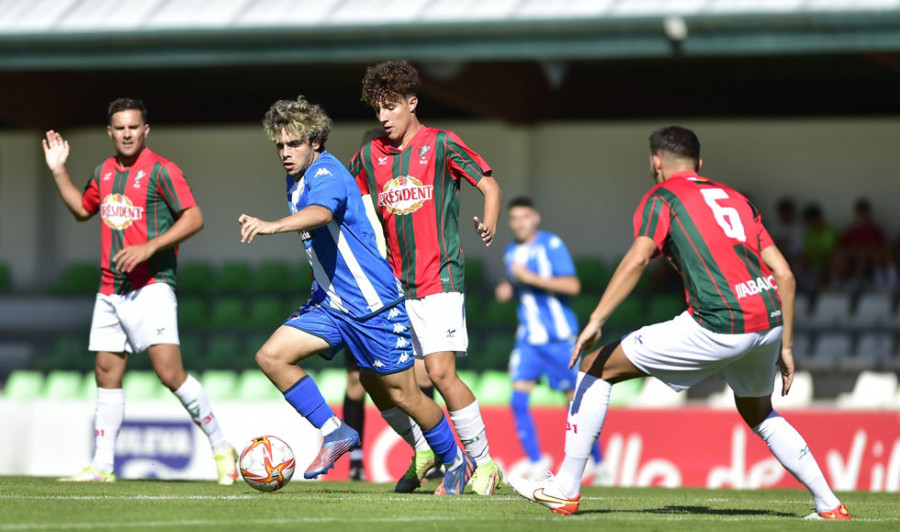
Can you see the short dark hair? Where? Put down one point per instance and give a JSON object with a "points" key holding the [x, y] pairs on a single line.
{"points": [[389, 82], [863, 206], [520, 201], [126, 104], [677, 140], [812, 212]]}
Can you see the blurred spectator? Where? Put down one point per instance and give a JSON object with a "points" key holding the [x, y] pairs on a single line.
{"points": [[864, 255], [819, 244], [786, 231]]}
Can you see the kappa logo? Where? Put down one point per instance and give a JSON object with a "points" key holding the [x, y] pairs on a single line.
{"points": [[394, 312], [382, 161], [118, 212], [378, 364], [403, 358], [401, 342], [322, 171], [404, 195], [399, 328], [137, 178]]}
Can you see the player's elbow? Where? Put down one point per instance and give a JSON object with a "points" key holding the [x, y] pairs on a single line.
{"points": [[575, 287]]}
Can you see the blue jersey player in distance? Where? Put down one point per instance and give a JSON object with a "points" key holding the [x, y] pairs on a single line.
{"points": [[541, 277], [356, 301]]}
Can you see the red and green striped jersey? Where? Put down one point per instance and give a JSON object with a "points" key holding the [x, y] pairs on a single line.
{"points": [[714, 237], [136, 204], [416, 195]]}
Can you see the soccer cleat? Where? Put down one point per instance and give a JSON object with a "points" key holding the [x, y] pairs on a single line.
{"points": [[226, 466], [455, 480], [545, 493], [841, 513], [422, 463], [91, 474], [487, 479], [335, 445]]}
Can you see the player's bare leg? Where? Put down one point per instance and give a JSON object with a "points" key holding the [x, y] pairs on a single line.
{"points": [[789, 447], [400, 400], [166, 361], [278, 359]]}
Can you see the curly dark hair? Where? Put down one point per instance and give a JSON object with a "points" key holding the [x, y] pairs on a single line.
{"points": [[389, 82]]}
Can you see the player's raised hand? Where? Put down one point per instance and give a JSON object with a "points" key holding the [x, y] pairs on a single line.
{"points": [[786, 366], [484, 231], [127, 258], [589, 337], [250, 227], [56, 151]]}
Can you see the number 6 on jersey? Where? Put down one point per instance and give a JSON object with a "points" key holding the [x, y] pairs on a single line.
{"points": [[727, 217]]}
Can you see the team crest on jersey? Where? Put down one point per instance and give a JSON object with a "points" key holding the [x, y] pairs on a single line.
{"points": [[404, 195], [422, 152], [137, 178], [118, 212]]}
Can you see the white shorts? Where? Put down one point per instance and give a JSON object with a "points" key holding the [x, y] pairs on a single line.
{"points": [[438, 324], [681, 353], [135, 321]]}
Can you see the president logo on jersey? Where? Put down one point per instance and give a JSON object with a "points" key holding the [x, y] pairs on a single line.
{"points": [[118, 212], [404, 195]]}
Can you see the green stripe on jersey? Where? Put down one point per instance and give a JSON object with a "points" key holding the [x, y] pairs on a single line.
{"points": [[159, 219], [117, 240], [768, 296], [721, 309], [406, 234], [650, 216], [369, 168], [456, 152], [168, 189], [446, 209]]}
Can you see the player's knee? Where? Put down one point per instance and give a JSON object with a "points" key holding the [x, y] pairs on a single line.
{"points": [[171, 377], [267, 360], [442, 377]]}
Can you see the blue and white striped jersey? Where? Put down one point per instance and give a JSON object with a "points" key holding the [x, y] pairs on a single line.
{"points": [[543, 316], [350, 275]]}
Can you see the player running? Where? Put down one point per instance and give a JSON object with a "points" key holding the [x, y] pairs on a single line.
{"points": [[739, 322], [356, 301], [147, 209], [541, 277], [412, 174]]}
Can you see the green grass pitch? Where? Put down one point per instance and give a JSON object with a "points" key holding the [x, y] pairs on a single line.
{"points": [[29, 503]]}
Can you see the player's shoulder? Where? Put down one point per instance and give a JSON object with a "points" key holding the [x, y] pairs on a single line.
{"points": [[550, 240], [152, 158], [326, 165]]}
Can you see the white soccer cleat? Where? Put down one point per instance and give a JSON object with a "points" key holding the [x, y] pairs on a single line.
{"points": [[545, 492], [91, 474]]}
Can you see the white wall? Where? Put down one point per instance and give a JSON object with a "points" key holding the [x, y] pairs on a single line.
{"points": [[586, 177]]}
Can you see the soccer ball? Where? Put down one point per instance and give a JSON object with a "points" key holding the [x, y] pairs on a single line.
{"points": [[267, 463]]}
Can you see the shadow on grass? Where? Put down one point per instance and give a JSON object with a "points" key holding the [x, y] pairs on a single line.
{"points": [[695, 510]]}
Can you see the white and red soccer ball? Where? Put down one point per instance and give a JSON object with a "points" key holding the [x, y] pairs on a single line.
{"points": [[267, 463]]}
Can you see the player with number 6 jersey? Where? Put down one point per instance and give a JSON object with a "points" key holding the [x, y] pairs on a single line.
{"points": [[739, 324]]}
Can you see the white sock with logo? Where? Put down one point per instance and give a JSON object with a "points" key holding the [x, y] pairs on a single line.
{"points": [[193, 397], [791, 450], [108, 420], [470, 428], [587, 412], [407, 428]]}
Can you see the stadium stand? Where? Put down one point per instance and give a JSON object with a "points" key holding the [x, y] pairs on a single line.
{"points": [[78, 279], [800, 394], [872, 390]]}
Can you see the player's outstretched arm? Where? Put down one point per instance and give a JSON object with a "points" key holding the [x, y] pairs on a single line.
{"points": [[307, 219], [189, 222], [623, 281], [493, 197], [567, 285], [787, 291], [56, 153]]}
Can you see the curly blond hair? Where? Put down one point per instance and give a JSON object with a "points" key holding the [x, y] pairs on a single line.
{"points": [[389, 82], [299, 118]]}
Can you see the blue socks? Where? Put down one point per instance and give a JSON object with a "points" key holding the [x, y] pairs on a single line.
{"points": [[597, 452], [525, 425], [306, 398], [442, 441]]}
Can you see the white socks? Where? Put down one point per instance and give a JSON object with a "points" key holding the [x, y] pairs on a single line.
{"points": [[109, 416], [470, 428], [193, 397], [791, 450], [587, 411], [406, 428], [330, 426]]}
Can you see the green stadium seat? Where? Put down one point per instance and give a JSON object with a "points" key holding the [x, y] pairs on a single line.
{"points": [[195, 278], [271, 277], [220, 384], [544, 395], [89, 385], [624, 392], [225, 351], [253, 385], [268, 312], [233, 278], [193, 312], [65, 385], [475, 305], [593, 275], [298, 283], [470, 377], [193, 351], [24, 384], [4, 277], [77, 279], [228, 312], [142, 385], [68, 351], [497, 313], [475, 277], [497, 348], [665, 307], [495, 388], [629, 315], [583, 305], [140, 362], [332, 383]]}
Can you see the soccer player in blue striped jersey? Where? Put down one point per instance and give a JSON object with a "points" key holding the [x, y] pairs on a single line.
{"points": [[541, 277], [356, 301]]}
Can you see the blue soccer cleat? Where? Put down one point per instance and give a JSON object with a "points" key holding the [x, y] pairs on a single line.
{"points": [[455, 480], [335, 445]]}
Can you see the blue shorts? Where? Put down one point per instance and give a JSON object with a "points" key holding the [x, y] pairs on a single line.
{"points": [[529, 362], [381, 343]]}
